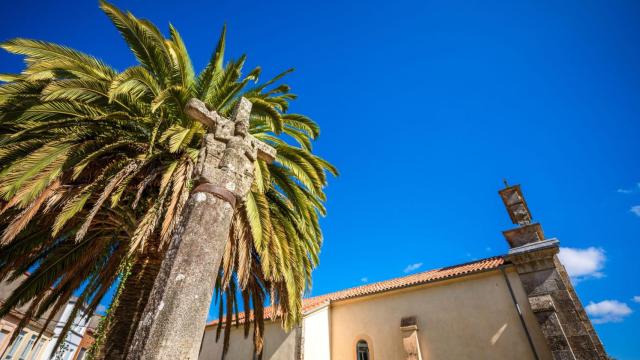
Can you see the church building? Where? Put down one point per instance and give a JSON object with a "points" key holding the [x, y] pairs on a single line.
{"points": [[520, 305]]}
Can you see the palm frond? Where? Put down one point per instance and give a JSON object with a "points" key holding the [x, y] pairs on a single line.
{"points": [[96, 166]]}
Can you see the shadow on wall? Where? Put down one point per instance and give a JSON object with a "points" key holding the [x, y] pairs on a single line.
{"points": [[277, 343]]}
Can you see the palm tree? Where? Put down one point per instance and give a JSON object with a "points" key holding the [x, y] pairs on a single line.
{"points": [[96, 165]]}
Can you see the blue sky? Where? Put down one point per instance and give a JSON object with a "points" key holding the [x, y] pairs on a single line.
{"points": [[425, 107]]}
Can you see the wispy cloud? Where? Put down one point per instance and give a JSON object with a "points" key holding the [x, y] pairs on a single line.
{"points": [[629, 190], [364, 279], [636, 299], [412, 267], [583, 264], [635, 209], [607, 311]]}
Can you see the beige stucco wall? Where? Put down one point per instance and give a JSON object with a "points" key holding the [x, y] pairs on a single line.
{"points": [[278, 345], [469, 318], [316, 343]]}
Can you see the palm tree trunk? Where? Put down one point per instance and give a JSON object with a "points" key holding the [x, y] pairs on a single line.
{"points": [[125, 316]]}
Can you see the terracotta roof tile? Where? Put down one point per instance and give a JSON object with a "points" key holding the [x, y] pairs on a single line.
{"points": [[312, 303]]}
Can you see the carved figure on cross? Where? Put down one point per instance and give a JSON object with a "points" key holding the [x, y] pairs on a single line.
{"points": [[227, 160]]}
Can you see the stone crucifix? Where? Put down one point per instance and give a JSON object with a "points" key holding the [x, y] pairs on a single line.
{"points": [[174, 318]]}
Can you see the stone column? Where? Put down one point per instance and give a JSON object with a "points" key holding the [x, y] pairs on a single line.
{"points": [[553, 300], [175, 316], [176, 313]]}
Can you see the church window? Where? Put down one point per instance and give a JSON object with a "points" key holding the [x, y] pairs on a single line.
{"points": [[362, 350]]}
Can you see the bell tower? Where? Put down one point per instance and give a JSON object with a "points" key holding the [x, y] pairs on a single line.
{"points": [[526, 232], [562, 319]]}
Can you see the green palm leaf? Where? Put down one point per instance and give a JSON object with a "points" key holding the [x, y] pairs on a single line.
{"points": [[96, 165]]}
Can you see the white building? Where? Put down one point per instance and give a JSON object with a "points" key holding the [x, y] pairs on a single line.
{"points": [[25, 347], [71, 342]]}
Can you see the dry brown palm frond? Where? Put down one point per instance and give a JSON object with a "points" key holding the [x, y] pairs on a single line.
{"points": [[111, 185], [22, 219], [179, 197]]}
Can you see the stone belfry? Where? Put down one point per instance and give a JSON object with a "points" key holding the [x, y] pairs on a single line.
{"points": [[564, 323]]}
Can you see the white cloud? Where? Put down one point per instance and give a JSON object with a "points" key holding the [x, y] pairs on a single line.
{"points": [[630, 190], [636, 299], [583, 263], [364, 279], [412, 267], [101, 309], [607, 311], [635, 209]]}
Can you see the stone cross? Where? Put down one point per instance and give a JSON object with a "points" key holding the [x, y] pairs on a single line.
{"points": [[175, 315], [229, 154]]}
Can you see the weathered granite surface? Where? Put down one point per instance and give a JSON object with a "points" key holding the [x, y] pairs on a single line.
{"points": [[176, 313], [558, 310]]}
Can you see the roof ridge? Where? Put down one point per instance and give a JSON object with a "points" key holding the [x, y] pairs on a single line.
{"points": [[312, 303], [409, 275]]}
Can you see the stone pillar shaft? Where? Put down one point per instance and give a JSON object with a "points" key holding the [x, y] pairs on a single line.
{"points": [[179, 303], [176, 313]]}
